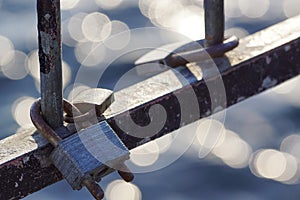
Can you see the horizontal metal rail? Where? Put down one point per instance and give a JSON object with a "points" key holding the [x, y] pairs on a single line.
{"points": [[261, 61]]}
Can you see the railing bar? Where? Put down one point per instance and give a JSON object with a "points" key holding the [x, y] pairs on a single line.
{"points": [[248, 70], [214, 21], [49, 37]]}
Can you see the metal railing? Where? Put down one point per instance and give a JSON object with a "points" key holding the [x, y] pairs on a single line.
{"points": [[245, 72]]}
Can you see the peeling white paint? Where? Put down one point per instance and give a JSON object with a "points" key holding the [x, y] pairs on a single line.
{"points": [[268, 59], [46, 41], [218, 108], [21, 178], [269, 82], [47, 16], [16, 185], [145, 140], [241, 99], [287, 48], [208, 113], [25, 159]]}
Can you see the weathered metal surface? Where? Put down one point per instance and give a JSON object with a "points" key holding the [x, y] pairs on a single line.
{"points": [[261, 61], [88, 153], [179, 54], [24, 166], [41, 125], [52, 136], [201, 54], [214, 22], [49, 36], [96, 99], [67, 152]]}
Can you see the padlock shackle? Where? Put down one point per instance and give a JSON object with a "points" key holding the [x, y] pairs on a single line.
{"points": [[41, 125]]}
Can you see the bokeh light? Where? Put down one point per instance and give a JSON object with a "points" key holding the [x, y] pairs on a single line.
{"points": [[109, 4], [210, 133], [119, 189], [66, 37], [33, 64], [231, 9], [90, 54], [234, 151], [96, 27], [21, 110], [34, 68], [144, 6], [189, 22], [145, 155], [16, 69], [68, 4], [6, 51], [270, 163], [291, 172], [120, 35], [254, 8], [74, 27], [291, 8], [291, 145], [276, 165], [160, 12], [186, 19], [66, 73]]}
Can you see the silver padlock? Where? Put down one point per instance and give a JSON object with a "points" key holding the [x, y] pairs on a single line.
{"points": [[86, 156], [89, 154]]}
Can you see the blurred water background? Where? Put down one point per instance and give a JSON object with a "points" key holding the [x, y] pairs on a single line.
{"points": [[258, 154]]}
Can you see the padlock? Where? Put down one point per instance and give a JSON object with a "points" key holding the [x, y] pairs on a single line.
{"points": [[86, 156], [89, 154]]}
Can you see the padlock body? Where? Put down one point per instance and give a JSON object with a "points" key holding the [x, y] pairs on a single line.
{"points": [[90, 153]]}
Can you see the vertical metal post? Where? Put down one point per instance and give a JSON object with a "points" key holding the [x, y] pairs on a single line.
{"points": [[49, 36], [214, 22]]}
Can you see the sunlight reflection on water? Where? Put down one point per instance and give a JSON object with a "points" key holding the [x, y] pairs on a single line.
{"points": [[86, 24]]}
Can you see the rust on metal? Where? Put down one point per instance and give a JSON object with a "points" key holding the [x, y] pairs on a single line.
{"points": [[54, 139], [91, 103], [214, 22], [182, 54], [41, 125], [97, 99], [49, 31], [125, 173], [197, 55], [24, 165], [94, 189], [49, 38], [261, 61]]}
